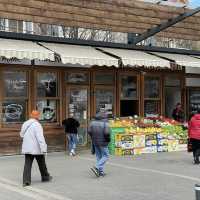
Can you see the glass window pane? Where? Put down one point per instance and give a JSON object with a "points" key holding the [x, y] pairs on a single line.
{"points": [[101, 78], [82, 135], [151, 108], [128, 87], [15, 84], [104, 101], [47, 84], [14, 111], [172, 81], [48, 109], [77, 77], [172, 97], [194, 100], [78, 104], [151, 87]]}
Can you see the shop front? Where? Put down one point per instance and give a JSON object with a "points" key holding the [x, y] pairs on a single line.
{"points": [[81, 86]]}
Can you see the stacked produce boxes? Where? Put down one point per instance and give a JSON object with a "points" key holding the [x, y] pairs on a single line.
{"points": [[132, 139]]}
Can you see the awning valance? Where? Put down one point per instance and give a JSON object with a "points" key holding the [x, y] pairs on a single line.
{"points": [[24, 50], [81, 55], [140, 58], [180, 59]]}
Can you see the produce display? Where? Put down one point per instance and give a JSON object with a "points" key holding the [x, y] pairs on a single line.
{"points": [[134, 136]]}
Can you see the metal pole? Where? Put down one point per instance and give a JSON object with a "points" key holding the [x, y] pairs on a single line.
{"points": [[197, 191]]}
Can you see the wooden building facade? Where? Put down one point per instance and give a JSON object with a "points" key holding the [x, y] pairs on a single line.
{"points": [[122, 82]]}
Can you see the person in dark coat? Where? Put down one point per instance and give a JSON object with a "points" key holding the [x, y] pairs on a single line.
{"points": [[178, 113], [71, 129], [100, 135], [194, 135]]}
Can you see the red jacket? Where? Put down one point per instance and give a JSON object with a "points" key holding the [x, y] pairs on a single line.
{"points": [[194, 127]]}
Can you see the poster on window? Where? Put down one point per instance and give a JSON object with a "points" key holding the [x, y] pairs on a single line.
{"points": [[13, 111], [47, 109], [15, 84]]}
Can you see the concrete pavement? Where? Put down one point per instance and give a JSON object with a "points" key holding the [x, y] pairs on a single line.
{"points": [[161, 176]]}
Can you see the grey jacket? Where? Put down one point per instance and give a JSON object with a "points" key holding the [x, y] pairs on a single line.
{"points": [[97, 129]]}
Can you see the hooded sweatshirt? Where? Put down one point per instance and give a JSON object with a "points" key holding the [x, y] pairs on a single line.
{"points": [[33, 138], [194, 127]]}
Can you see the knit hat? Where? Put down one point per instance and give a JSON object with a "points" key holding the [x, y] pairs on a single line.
{"points": [[35, 114]]}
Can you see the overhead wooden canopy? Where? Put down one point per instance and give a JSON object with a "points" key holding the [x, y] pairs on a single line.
{"points": [[116, 15]]}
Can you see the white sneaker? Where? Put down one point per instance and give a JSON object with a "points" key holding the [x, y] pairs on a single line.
{"points": [[71, 154]]}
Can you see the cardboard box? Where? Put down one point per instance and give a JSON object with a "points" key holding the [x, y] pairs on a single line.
{"points": [[139, 141], [173, 145], [150, 149], [123, 137], [138, 151], [123, 152], [162, 142], [150, 143], [162, 148], [151, 137]]}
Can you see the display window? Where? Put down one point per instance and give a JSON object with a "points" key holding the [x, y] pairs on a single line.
{"points": [[15, 96], [47, 96], [152, 96]]}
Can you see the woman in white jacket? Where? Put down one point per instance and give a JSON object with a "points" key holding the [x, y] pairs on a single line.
{"points": [[34, 146]]}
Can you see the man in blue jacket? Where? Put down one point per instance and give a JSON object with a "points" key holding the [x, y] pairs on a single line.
{"points": [[100, 135]]}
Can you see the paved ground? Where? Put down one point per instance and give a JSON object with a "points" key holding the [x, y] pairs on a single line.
{"points": [[163, 176]]}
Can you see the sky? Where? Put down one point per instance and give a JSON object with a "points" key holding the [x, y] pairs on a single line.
{"points": [[194, 3]]}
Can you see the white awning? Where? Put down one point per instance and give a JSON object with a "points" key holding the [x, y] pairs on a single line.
{"points": [[180, 59], [140, 58], [24, 50], [81, 55]]}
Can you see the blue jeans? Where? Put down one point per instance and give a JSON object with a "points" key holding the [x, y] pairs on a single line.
{"points": [[102, 155], [72, 141]]}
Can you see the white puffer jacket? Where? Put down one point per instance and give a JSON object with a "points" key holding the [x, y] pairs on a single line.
{"points": [[33, 138]]}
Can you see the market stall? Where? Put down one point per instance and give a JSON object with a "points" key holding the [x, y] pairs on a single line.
{"points": [[134, 136]]}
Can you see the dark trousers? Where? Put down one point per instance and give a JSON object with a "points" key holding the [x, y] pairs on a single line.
{"points": [[195, 148], [28, 165]]}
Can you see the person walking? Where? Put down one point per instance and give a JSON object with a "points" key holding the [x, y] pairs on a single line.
{"points": [[194, 135], [34, 146], [71, 129], [100, 135]]}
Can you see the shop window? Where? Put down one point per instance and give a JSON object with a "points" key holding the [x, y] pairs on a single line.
{"points": [[172, 94], [151, 96], [128, 87], [128, 96], [104, 101], [47, 96], [15, 96], [151, 108], [47, 109], [194, 100], [104, 78], [152, 87], [47, 85], [77, 77]]}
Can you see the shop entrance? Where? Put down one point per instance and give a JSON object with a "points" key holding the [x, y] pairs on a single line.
{"points": [[77, 107]]}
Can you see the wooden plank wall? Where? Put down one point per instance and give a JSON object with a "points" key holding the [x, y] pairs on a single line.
{"points": [[115, 15]]}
